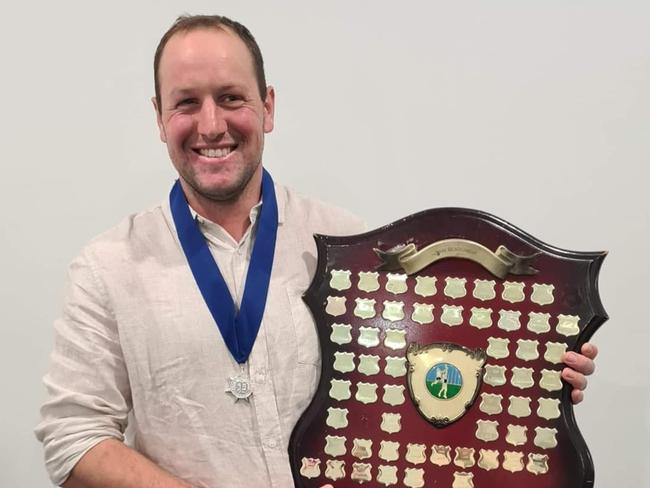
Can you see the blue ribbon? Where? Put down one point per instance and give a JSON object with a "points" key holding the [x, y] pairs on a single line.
{"points": [[239, 330]]}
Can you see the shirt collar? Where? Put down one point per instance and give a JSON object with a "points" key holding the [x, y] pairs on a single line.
{"points": [[216, 234]]}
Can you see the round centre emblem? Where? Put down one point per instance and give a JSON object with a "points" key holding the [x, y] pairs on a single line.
{"points": [[444, 381]]}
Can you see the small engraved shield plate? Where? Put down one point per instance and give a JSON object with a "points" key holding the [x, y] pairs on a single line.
{"points": [[425, 286], [310, 468], [387, 475], [335, 306], [362, 448], [463, 480], [368, 364], [484, 289], [488, 459], [513, 461], [393, 311], [542, 294], [365, 308], [455, 287], [389, 451], [416, 453], [340, 279], [395, 366], [368, 281], [513, 292], [440, 455], [396, 283], [452, 315], [414, 477], [422, 313], [335, 445], [391, 422], [335, 469]]}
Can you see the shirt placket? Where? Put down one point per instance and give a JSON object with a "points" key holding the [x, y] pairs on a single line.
{"points": [[263, 399]]}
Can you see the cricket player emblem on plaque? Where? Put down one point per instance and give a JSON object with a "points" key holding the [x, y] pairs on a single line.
{"points": [[444, 380]]}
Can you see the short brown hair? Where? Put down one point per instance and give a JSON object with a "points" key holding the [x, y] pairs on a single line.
{"points": [[187, 23]]}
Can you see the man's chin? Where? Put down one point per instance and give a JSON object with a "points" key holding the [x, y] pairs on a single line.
{"points": [[224, 186], [220, 192]]}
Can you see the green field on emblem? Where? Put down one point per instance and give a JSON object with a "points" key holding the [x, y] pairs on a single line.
{"points": [[434, 389]]}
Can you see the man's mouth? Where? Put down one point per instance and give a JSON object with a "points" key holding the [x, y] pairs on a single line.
{"points": [[216, 152]]}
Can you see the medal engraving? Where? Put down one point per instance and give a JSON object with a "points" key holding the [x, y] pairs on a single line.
{"points": [[239, 386]]}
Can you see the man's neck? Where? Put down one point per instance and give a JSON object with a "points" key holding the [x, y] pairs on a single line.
{"points": [[233, 216]]}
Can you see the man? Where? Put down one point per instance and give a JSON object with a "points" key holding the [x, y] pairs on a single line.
{"points": [[442, 379], [141, 333]]}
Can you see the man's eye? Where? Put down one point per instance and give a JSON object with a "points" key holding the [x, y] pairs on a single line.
{"points": [[186, 102], [231, 99]]}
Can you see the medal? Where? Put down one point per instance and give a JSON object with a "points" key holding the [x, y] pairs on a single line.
{"points": [[238, 328], [239, 386]]}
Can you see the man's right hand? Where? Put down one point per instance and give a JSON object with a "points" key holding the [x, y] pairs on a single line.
{"points": [[111, 464]]}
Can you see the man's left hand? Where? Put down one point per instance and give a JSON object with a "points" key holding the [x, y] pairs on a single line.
{"points": [[579, 366]]}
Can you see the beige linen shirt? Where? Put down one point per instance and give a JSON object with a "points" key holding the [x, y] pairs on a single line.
{"points": [[137, 342]]}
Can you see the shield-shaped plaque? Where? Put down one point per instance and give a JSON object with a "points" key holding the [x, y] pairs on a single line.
{"points": [[441, 337]]}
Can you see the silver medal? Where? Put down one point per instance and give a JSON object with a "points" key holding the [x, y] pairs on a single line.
{"points": [[239, 386]]}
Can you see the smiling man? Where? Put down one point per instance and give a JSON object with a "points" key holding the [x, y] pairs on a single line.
{"points": [[213, 115], [186, 320]]}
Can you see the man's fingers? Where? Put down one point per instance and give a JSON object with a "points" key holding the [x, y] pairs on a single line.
{"points": [[580, 362], [590, 350], [578, 381], [578, 367], [574, 378], [577, 396]]}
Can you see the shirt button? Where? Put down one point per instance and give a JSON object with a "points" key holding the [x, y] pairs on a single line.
{"points": [[271, 443], [260, 376]]}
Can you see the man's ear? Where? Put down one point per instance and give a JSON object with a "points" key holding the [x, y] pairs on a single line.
{"points": [[269, 109], [161, 128]]}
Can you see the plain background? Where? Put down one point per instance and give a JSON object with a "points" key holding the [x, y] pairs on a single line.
{"points": [[535, 111]]}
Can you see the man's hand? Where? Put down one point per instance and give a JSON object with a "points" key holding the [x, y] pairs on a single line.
{"points": [[111, 464], [579, 366]]}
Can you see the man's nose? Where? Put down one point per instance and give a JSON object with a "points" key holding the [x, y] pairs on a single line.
{"points": [[211, 122]]}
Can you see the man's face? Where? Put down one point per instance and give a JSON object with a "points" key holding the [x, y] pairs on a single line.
{"points": [[211, 116]]}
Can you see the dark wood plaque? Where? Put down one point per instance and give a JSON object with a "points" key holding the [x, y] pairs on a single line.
{"points": [[447, 376]]}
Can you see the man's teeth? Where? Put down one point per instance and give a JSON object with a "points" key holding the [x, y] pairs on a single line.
{"points": [[215, 153]]}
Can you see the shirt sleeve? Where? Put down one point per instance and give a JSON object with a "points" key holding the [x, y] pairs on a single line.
{"points": [[88, 394]]}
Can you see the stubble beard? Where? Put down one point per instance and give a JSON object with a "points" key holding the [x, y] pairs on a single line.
{"points": [[221, 195]]}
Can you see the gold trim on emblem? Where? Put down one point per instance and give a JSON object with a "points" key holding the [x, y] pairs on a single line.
{"points": [[444, 380]]}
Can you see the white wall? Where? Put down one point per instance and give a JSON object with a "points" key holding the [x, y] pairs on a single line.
{"points": [[535, 111]]}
